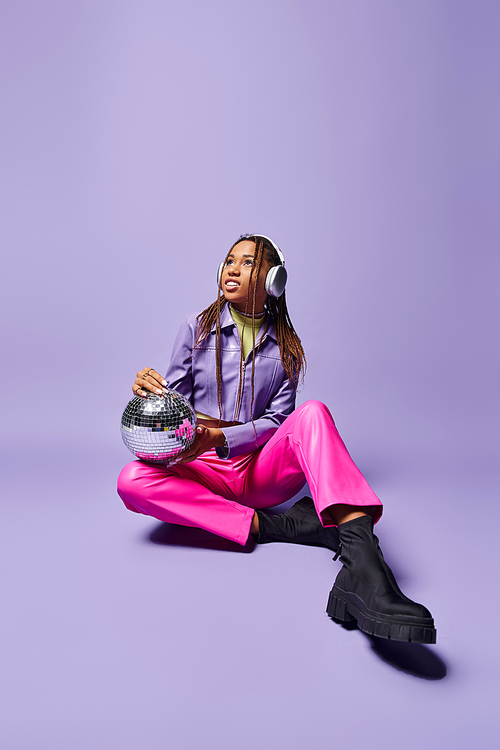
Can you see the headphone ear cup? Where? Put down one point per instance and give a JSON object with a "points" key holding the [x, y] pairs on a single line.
{"points": [[276, 281], [219, 272]]}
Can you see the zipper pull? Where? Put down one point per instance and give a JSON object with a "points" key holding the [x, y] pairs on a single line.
{"points": [[338, 552]]}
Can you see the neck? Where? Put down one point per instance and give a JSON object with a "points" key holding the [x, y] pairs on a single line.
{"points": [[247, 315]]}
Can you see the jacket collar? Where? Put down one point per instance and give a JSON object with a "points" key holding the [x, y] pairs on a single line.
{"points": [[226, 321]]}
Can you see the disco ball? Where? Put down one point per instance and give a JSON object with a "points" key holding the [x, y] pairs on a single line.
{"points": [[158, 428]]}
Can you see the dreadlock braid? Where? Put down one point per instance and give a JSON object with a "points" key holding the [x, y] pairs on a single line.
{"points": [[254, 273], [292, 354], [259, 247]]}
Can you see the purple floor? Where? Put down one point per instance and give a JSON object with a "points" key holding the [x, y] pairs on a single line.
{"points": [[139, 140], [123, 632]]}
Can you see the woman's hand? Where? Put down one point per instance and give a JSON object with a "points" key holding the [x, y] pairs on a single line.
{"points": [[149, 381], [206, 438]]}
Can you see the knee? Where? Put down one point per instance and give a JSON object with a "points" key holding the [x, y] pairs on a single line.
{"points": [[128, 476], [314, 409]]}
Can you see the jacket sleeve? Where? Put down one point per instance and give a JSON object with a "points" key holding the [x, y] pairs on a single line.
{"points": [[179, 374], [242, 438]]}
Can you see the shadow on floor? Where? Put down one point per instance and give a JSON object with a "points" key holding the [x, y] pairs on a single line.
{"points": [[187, 536], [412, 658]]}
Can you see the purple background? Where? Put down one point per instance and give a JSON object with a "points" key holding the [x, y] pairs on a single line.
{"points": [[139, 140]]}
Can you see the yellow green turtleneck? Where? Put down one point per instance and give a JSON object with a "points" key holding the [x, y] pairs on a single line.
{"points": [[245, 329]]}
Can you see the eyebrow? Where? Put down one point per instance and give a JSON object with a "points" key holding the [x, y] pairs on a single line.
{"points": [[245, 255]]}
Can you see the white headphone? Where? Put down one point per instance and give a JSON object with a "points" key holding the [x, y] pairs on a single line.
{"points": [[276, 276]]}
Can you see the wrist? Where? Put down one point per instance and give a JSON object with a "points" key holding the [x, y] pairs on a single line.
{"points": [[219, 438]]}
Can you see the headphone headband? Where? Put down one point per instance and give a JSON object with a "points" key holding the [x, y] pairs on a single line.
{"points": [[265, 237]]}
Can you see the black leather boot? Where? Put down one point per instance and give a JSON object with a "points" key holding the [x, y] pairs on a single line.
{"points": [[299, 525], [366, 591]]}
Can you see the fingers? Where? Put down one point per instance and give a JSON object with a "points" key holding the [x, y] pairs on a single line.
{"points": [[149, 381], [196, 449], [182, 458], [188, 455]]}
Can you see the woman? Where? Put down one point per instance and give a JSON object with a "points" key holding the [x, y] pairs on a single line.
{"points": [[238, 362]]}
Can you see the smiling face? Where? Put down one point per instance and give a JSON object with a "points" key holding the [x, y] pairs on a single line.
{"points": [[236, 278]]}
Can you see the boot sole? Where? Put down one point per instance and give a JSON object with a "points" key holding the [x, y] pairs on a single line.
{"points": [[344, 607]]}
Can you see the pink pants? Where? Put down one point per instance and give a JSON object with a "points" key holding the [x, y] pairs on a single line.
{"points": [[220, 495]]}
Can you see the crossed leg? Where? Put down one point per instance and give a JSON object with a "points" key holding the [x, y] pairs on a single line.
{"points": [[220, 495]]}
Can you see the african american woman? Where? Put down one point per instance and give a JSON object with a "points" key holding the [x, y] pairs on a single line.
{"points": [[239, 362]]}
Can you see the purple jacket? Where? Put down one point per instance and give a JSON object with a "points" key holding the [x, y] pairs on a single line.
{"points": [[193, 374]]}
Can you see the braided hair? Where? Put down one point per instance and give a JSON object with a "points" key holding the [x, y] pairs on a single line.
{"points": [[292, 354]]}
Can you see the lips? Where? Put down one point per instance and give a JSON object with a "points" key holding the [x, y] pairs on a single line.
{"points": [[232, 284]]}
